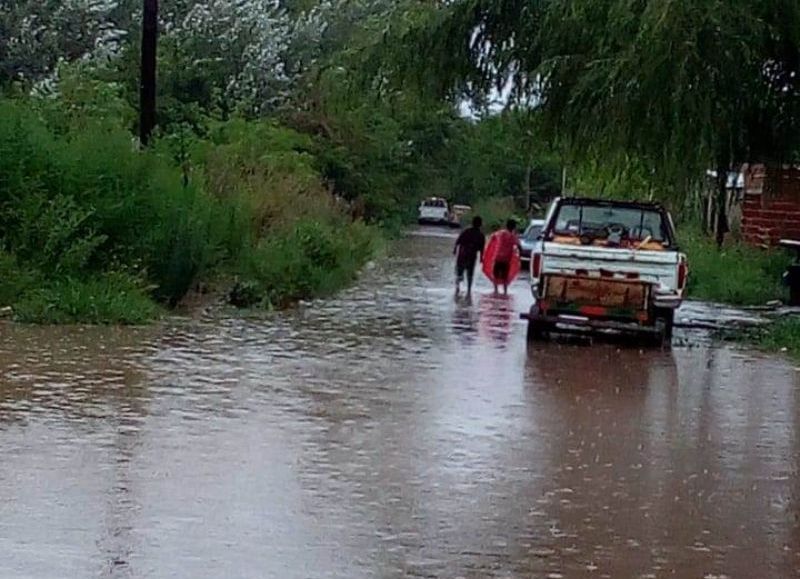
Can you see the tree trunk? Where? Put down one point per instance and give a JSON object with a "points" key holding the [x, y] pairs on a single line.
{"points": [[721, 205], [147, 102]]}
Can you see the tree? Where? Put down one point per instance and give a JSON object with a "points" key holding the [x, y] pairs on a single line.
{"points": [[223, 55], [682, 85], [36, 35], [229, 54]]}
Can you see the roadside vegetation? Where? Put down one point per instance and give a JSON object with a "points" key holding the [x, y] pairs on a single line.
{"points": [[94, 230], [495, 212], [782, 335], [736, 273]]}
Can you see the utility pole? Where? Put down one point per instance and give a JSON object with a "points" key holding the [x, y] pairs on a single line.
{"points": [[147, 83]]}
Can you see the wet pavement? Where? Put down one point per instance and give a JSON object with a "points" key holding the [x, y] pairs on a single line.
{"points": [[392, 432]]}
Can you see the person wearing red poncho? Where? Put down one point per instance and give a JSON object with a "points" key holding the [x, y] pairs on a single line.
{"points": [[507, 243]]}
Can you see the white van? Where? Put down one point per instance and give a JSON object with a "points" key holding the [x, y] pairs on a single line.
{"points": [[434, 210]]}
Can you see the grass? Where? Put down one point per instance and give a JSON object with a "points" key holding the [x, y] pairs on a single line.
{"points": [[781, 336], [310, 259], [107, 299], [742, 275], [737, 274]]}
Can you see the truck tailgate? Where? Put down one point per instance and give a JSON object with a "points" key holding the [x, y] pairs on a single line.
{"points": [[659, 268], [607, 293]]}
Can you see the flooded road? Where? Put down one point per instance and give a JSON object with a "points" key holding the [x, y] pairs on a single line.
{"points": [[391, 432]]}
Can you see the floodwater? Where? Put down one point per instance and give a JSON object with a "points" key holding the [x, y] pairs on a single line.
{"points": [[392, 432]]}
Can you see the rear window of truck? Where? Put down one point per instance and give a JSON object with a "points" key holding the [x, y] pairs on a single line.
{"points": [[624, 223]]}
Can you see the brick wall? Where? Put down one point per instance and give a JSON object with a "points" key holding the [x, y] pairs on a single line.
{"points": [[771, 207]]}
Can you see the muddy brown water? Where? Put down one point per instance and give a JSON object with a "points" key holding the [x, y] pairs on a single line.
{"points": [[392, 432]]}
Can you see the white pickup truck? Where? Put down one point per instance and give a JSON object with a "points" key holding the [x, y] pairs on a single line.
{"points": [[434, 210], [606, 265]]}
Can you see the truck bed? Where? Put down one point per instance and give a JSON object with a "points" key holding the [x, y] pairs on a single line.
{"points": [[657, 268]]}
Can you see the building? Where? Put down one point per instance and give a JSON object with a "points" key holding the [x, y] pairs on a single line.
{"points": [[771, 205]]}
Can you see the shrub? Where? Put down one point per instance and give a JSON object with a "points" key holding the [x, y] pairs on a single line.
{"points": [[15, 280], [78, 204], [309, 259]]}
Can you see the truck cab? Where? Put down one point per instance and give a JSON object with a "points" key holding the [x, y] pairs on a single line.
{"points": [[606, 265]]}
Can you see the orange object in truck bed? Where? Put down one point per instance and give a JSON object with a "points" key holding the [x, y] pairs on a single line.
{"points": [[644, 245], [605, 292]]}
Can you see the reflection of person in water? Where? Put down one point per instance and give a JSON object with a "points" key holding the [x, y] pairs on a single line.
{"points": [[465, 321], [496, 315]]}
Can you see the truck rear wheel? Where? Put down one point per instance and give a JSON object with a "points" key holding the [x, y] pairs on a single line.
{"points": [[538, 330], [664, 324], [667, 317]]}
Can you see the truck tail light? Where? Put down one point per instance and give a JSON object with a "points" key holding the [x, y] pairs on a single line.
{"points": [[683, 273], [536, 265]]}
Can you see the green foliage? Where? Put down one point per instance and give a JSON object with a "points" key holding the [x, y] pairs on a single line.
{"points": [[36, 35], [15, 280], [736, 274], [382, 156], [110, 298], [495, 212], [77, 203], [93, 230], [385, 154], [501, 156], [86, 97], [309, 259], [782, 335]]}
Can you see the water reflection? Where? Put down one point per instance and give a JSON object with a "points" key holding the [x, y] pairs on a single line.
{"points": [[465, 320], [497, 313]]}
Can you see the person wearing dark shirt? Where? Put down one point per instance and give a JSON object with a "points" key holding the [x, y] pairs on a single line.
{"points": [[468, 246]]}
